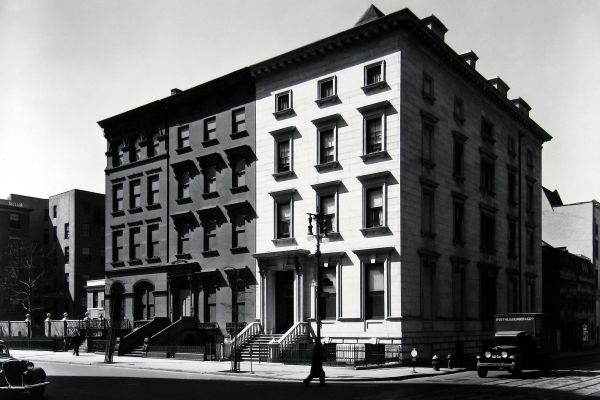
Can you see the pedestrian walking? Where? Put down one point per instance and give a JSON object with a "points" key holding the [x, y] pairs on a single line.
{"points": [[316, 364], [76, 342]]}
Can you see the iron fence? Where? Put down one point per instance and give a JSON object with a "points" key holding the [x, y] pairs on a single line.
{"points": [[353, 354]]}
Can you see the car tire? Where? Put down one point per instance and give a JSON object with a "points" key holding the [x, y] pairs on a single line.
{"points": [[38, 392], [516, 371], [482, 372]]}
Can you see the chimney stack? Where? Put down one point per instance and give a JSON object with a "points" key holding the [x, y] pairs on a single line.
{"points": [[435, 25], [175, 91], [470, 58], [500, 85], [521, 105]]}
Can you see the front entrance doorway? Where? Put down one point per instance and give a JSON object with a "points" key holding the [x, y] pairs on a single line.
{"points": [[284, 300]]}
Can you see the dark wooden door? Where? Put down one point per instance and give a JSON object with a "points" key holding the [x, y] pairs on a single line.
{"points": [[284, 300]]}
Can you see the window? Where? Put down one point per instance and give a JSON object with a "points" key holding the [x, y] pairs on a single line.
{"points": [[529, 156], [374, 291], [374, 74], [458, 157], [459, 110], [427, 212], [374, 207], [238, 231], [153, 190], [326, 88], [210, 235], [67, 231], [373, 134], [134, 243], [326, 145], [85, 252], [240, 303], [67, 254], [183, 239], [118, 155], [427, 131], [53, 211], [94, 299], [328, 292], [284, 163], [428, 88], [512, 146], [118, 197], [327, 207], [15, 221], [117, 246], [284, 220], [135, 194], [183, 185], [530, 293], [143, 302], [512, 296], [283, 102], [487, 176], [459, 291], [153, 145], [153, 241], [210, 129], [239, 173], [428, 289], [210, 179], [374, 203], [487, 287], [512, 187], [529, 197], [531, 247], [458, 217], [135, 150], [487, 130], [512, 238], [210, 303], [238, 123], [488, 233], [183, 136]]}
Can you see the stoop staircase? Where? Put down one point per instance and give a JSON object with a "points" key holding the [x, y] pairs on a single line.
{"points": [[137, 351], [260, 347]]}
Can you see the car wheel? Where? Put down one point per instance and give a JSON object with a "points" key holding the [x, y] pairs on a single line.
{"points": [[516, 372], [482, 372], [37, 392]]}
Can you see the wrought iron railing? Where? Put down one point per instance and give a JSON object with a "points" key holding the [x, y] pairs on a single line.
{"points": [[251, 330], [299, 331]]}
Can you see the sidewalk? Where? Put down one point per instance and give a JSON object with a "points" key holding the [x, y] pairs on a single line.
{"points": [[270, 371]]}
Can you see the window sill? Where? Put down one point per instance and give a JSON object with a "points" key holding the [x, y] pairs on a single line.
{"points": [[283, 113], [135, 210], [210, 195], [185, 149], [153, 260], [327, 100], [210, 142], [117, 264], [239, 250], [239, 189], [375, 155], [284, 241], [375, 231], [428, 234], [183, 256], [135, 261], [210, 253], [283, 175], [239, 134], [184, 200], [327, 166], [154, 206], [119, 213], [374, 86]]}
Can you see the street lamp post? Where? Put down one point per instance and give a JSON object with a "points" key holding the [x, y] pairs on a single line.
{"points": [[321, 230]]}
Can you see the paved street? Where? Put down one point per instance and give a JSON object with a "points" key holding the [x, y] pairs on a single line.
{"points": [[72, 381]]}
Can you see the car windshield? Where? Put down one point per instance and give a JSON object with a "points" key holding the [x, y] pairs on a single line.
{"points": [[3, 351], [506, 340]]}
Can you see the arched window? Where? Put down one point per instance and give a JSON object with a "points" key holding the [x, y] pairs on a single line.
{"points": [[135, 150], [117, 154], [143, 303]]}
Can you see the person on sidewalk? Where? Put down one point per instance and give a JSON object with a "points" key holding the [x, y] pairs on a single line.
{"points": [[76, 342], [316, 364]]}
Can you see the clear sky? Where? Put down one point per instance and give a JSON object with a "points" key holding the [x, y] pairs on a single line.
{"points": [[66, 64]]}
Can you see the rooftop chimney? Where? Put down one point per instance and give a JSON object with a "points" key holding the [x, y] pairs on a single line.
{"points": [[436, 26], [175, 91], [470, 58], [371, 14], [521, 105], [500, 85]]}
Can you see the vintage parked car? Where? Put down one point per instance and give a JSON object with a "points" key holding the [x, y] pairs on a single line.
{"points": [[522, 341], [20, 375]]}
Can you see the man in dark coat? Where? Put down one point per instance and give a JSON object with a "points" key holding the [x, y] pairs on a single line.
{"points": [[76, 342], [316, 364]]}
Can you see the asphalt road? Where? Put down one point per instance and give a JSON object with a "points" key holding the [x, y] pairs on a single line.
{"points": [[70, 382]]}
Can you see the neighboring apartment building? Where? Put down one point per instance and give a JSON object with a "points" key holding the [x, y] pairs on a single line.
{"points": [[77, 229], [95, 290], [575, 227], [569, 296], [180, 206], [430, 175]]}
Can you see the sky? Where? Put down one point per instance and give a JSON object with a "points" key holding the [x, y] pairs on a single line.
{"points": [[66, 64]]}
